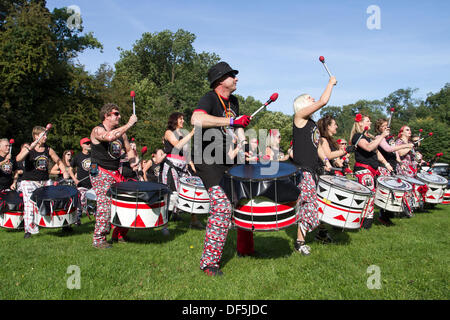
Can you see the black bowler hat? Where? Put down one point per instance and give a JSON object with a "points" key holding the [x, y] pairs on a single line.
{"points": [[218, 71]]}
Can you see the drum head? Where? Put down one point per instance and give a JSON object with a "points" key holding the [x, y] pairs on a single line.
{"points": [[411, 180], [346, 184], [193, 180], [149, 192], [394, 183], [432, 178], [54, 193], [261, 171]]}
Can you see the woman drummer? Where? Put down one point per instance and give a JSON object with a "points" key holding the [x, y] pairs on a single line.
{"points": [[66, 158], [408, 166], [273, 152], [36, 156], [333, 152], [367, 159], [175, 165]]}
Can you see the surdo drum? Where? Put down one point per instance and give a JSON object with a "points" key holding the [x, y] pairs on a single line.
{"points": [[11, 210], [417, 189], [436, 186], [55, 206], [264, 196], [342, 202], [192, 196], [139, 205], [391, 193]]}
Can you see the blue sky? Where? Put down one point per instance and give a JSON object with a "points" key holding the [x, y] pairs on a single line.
{"points": [[276, 45]]}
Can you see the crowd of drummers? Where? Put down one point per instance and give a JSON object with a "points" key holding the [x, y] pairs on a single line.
{"points": [[109, 156]]}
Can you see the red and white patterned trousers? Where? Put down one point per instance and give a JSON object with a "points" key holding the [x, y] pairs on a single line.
{"points": [[307, 203]]}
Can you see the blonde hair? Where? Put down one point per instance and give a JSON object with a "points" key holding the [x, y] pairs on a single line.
{"points": [[359, 128], [300, 102], [37, 130]]}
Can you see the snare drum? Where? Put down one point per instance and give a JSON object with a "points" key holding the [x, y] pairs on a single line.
{"points": [[391, 193], [264, 196], [139, 205], [436, 186], [11, 210], [341, 201], [415, 193], [446, 199], [192, 196], [55, 206]]}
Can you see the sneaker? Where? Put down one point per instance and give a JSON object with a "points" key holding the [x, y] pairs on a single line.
{"points": [[323, 237], [102, 245], [301, 247], [121, 239], [213, 271], [196, 225], [27, 235]]}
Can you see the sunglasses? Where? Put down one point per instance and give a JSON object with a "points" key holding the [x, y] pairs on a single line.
{"points": [[115, 113], [344, 143]]}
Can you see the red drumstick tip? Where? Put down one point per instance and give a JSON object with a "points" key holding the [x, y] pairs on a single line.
{"points": [[366, 128], [144, 150], [322, 59], [430, 134], [48, 127], [274, 97], [420, 130], [392, 109], [11, 141], [132, 94]]}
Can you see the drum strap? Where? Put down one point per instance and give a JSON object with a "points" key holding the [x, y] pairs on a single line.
{"points": [[366, 166]]}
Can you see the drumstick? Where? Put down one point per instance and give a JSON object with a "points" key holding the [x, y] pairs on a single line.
{"points": [[272, 98], [420, 132], [11, 142], [322, 59], [429, 135], [364, 132], [132, 95], [390, 118]]}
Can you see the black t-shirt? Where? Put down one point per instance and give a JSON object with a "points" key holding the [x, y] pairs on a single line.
{"points": [[305, 143], [389, 156], [153, 173], [363, 156], [216, 142], [36, 165], [107, 154], [82, 162], [7, 173]]}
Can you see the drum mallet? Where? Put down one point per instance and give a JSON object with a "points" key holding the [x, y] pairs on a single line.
{"points": [[435, 158], [322, 59], [11, 142], [364, 132], [272, 98], [132, 95], [420, 132], [429, 135], [390, 117], [47, 129]]}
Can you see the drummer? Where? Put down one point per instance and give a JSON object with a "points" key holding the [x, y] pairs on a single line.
{"points": [[81, 162], [66, 158], [306, 150], [8, 167], [217, 114], [332, 149], [273, 152], [108, 140], [367, 159], [152, 168], [36, 156], [408, 166], [388, 148]]}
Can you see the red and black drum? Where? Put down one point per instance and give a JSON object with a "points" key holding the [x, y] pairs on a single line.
{"points": [[139, 204], [55, 206], [11, 210], [264, 196]]}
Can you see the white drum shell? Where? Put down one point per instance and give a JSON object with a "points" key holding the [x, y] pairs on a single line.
{"points": [[131, 213], [11, 220], [193, 197], [57, 219], [340, 207], [436, 187]]}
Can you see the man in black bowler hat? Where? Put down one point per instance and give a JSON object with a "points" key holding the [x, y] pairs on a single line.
{"points": [[217, 113]]}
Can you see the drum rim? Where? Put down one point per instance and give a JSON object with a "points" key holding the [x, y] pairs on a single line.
{"points": [[228, 174], [435, 182], [406, 178], [369, 193], [394, 188]]}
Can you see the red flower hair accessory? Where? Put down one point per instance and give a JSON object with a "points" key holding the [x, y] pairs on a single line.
{"points": [[358, 117]]}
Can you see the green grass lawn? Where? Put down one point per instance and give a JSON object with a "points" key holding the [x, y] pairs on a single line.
{"points": [[412, 257]]}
